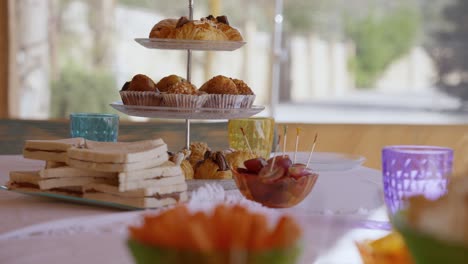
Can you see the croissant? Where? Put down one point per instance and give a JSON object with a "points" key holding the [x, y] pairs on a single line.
{"points": [[199, 30], [187, 169], [163, 29], [197, 150], [208, 169], [231, 33]]}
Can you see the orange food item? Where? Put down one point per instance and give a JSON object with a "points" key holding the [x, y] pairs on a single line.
{"points": [[386, 250], [224, 229]]}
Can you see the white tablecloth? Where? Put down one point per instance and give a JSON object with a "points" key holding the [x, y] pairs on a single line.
{"points": [[343, 206]]}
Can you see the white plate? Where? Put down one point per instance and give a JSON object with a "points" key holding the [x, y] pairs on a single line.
{"points": [[183, 44], [186, 113], [329, 161]]}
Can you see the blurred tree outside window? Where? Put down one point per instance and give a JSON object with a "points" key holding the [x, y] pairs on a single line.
{"points": [[379, 41]]}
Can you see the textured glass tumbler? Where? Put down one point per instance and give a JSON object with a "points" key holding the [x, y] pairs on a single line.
{"points": [[97, 127], [259, 132], [414, 170]]}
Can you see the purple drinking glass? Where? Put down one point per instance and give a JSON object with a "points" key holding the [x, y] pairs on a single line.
{"points": [[414, 170]]}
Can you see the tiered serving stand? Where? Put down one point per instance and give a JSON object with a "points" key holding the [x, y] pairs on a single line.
{"points": [[188, 113]]}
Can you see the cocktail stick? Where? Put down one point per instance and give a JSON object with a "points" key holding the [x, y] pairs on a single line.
{"points": [[277, 149], [285, 136], [312, 150], [298, 130]]}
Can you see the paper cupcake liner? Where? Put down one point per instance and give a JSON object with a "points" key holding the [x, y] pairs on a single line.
{"points": [[224, 101], [141, 98], [248, 101], [184, 100]]}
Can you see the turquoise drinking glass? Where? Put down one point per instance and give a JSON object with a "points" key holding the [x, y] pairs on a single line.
{"points": [[97, 127]]}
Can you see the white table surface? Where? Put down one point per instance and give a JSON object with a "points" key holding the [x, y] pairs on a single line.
{"points": [[343, 207]]}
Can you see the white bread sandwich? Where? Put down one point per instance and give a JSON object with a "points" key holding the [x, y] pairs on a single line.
{"points": [[50, 150], [137, 174], [33, 180], [118, 156], [29, 182], [66, 172], [150, 197], [54, 164], [165, 174]]}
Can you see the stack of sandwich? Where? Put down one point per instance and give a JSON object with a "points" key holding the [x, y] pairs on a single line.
{"points": [[136, 174]]}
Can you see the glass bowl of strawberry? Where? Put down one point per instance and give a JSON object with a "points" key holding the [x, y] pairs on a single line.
{"points": [[276, 183]]}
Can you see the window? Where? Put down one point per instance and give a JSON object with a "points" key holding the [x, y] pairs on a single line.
{"points": [[310, 61], [371, 61]]}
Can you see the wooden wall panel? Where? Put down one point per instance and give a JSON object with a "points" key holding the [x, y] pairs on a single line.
{"points": [[4, 47], [368, 140], [365, 140]]}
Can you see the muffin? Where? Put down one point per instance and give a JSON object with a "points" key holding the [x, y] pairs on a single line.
{"points": [[141, 90], [168, 81], [142, 83], [183, 87], [219, 85], [223, 93], [183, 95], [244, 89]]}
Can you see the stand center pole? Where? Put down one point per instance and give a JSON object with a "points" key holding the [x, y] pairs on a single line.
{"points": [[189, 79]]}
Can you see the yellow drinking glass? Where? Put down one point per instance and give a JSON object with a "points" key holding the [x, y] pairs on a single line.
{"points": [[259, 132]]}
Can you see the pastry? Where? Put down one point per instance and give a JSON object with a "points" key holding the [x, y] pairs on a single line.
{"points": [[142, 83], [180, 159], [168, 81], [231, 33], [222, 23], [214, 167], [198, 30], [219, 85], [236, 159], [163, 29], [198, 150], [187, 169], [207, 28]]}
